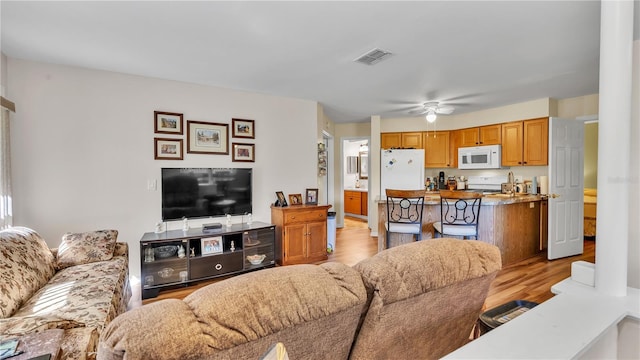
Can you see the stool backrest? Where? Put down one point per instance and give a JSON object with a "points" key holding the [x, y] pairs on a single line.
{"points": [[460, 208], [405, 206]]}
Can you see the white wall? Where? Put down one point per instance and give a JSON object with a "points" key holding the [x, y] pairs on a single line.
{"points": [[82, 147]]}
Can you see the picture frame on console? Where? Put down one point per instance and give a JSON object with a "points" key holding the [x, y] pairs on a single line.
{"points": [[281, 201], [295, 199], [168, 123], [243, 128], [167, 149], [243, 152], [207, 138], [211, 245], [311, 197]]}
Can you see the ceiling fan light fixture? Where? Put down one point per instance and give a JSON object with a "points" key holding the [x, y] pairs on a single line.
{"points": [[431, 115]]}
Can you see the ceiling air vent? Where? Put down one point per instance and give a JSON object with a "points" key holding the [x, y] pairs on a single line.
{"points": [[373, 57]]}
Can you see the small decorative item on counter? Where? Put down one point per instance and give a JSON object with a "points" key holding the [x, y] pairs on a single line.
{"points": [[427, 183], [185, 224], [233, 246], [249, 219], [159, 227], [451, 183], [180, 252], [228, 220]]}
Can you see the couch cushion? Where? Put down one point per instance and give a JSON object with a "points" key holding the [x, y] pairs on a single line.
{"points": [[90, 294], [26, 264], [87, 247]]}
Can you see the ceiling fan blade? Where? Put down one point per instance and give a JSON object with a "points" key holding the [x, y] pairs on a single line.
{"points": [[418, 112], [446, 110]]}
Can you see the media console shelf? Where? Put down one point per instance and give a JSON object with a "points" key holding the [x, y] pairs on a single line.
{"points": [[210, 254]]}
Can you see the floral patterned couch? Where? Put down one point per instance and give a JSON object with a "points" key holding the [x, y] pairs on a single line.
{"points": [[80, 286]]}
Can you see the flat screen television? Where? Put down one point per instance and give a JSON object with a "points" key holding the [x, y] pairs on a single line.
{"points": [[205, 192]]}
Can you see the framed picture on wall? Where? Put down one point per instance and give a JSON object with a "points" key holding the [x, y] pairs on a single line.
{"points": [[167, 149], [207, 138], [243, 128], [167, 123], [243, 152]]}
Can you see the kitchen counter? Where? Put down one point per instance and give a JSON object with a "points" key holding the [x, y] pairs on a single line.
{"points": [[356, 189], [515, 224]]}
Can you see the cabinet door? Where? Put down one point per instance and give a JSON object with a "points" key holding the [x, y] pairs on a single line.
{"points": [[491, 135], [390, 140], [295, 244], [352, 202], [412, 140], [364, 203], [317, 240], [536, 142], [468, 137], [512, 143], [436, 154]]}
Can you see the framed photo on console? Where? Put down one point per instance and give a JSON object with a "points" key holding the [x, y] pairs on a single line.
{"points": [[295, 199], [281, 199], [311, 197], [211, 245]]}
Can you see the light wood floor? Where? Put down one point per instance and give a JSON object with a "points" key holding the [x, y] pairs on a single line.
{"points": [[529, 279]]}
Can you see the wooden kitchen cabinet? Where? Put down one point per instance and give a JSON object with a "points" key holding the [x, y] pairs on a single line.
{"points": [[301, 233], [364, 203], [525, 143], [437, 152], [401, 140], [356, 202], [412, 140], [391, 140], [536, 142], [483, 135], [352, 202]]}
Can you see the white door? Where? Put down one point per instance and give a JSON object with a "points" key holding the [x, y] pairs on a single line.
{"points": [[566, 188]]}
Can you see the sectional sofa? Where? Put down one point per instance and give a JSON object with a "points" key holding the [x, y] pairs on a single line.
{"points": [[415, 301], [79, 287]]}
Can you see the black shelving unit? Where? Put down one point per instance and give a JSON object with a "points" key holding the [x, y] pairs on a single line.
{"points": [[204, 255]]}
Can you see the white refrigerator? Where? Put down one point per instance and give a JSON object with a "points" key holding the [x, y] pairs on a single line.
{"points": [[401, 169]]}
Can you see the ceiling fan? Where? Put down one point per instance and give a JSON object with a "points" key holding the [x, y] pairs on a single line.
{"points": [[432, 108]]}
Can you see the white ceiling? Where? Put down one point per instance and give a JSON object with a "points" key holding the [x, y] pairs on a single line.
{"points": [[470, 54]]}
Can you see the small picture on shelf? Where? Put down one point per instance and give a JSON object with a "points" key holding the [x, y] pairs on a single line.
{"points": [[311, 197], [211, 245], [281, 201], [295, 199]]}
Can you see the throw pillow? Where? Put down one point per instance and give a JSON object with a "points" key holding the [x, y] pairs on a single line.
{"points": [[87, 247]]}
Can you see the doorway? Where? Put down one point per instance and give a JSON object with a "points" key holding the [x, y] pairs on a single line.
{"points": [[355, 182]]}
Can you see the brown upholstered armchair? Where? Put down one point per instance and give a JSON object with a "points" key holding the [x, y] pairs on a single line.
{"points": [[424, 298]]}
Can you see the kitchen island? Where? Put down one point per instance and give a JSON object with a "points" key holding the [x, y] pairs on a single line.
{"points": [[515, 224]]}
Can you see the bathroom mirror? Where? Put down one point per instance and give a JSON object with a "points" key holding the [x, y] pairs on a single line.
{"points": [[352, 164], [363, 170]]}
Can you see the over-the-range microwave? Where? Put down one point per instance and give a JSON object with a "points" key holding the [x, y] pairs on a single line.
{"points": [[479, 157]]}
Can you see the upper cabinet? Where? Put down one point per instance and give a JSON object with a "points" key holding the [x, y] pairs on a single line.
{"points": [[438, 150], [525, 142], [483, 135], [412, 140], [401, 140], [391, 140]]}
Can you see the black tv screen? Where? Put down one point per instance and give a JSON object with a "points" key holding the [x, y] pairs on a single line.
{"points": [[205, 192]]}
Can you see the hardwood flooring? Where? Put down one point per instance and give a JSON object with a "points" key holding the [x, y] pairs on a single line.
{"points": [[530, 279]]}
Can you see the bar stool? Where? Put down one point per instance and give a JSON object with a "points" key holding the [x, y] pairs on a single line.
{"points": [[404, 212], [459, 214]]}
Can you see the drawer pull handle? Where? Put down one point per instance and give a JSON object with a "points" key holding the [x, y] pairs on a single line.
{"points": [[218, 266]]}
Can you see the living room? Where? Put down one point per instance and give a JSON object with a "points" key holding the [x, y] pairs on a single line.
{"points": [[83, 151]]}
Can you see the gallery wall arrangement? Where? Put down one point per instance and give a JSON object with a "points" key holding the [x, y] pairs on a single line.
{"points": [[202, 137]]}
